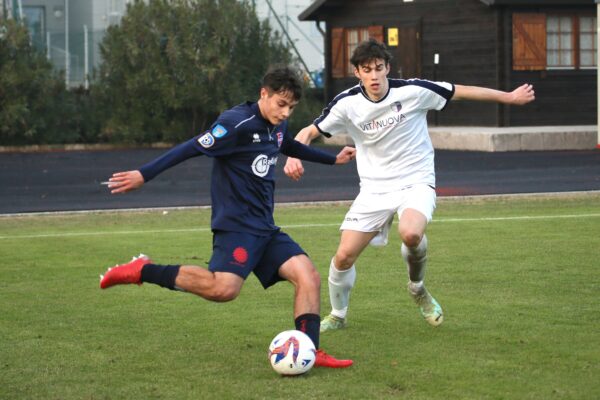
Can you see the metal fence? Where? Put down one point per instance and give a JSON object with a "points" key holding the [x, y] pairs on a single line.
{"points": [[76, 54]]}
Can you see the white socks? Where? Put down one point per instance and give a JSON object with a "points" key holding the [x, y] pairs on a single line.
{"points": [[416, 260], [340, 285]]}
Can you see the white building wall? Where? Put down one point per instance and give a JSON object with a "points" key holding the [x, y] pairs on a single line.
{"points": [[305, 35]]}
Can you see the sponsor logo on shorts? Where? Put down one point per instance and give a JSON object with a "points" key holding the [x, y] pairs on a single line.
{"points": [[261, 165], [206, 140], [351, 219], [219, 131], [240, 257]]}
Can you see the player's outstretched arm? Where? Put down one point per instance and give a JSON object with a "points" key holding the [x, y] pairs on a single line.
{"points": [[522, 95], [346, 155], [293, 167], [122, 182], [126, 181]]}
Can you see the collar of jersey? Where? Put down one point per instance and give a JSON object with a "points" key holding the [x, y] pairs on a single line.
{"points": [[364, 93], [254, 107]]}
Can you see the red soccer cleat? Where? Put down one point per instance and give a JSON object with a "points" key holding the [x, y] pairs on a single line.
{"points": [[325, 360], [125, 273]]}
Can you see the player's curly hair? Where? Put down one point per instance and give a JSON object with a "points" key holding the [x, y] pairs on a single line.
{"points": [[368, 51], [283, 78]]}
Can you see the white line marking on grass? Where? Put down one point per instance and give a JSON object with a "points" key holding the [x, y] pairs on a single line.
{"points": [[297, 226]]}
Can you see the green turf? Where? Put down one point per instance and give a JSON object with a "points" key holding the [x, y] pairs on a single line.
{"points": [[518, 280]]}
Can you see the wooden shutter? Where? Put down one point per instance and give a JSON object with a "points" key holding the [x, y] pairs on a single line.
{"points": [[337, 53], [376, 32], [529, 41]]}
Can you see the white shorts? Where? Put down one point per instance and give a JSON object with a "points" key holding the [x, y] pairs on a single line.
{"points": [[374, 212]]}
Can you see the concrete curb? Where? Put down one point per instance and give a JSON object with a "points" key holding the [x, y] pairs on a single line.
{"points": [[46, 148], [489, 139], [583, 137]]}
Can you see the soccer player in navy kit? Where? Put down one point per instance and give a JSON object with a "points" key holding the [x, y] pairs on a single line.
{"points": [[244, 142], [387, 120]]}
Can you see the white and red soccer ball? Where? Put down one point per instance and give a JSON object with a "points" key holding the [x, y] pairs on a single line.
{"points": [[292, 353]]}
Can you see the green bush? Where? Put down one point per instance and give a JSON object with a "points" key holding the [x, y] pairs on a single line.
{"points": [[172, 66], [31, 95], [168, 70], [309, 108], [35, 106]]}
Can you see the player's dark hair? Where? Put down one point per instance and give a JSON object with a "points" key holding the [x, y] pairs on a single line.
{"points": [[369, 51], [283, 78]]}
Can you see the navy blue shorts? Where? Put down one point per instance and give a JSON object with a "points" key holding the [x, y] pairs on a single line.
{"points": [[242, 253]]}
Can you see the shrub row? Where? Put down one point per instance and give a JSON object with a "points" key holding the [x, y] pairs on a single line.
{"points": [[168, 70]]}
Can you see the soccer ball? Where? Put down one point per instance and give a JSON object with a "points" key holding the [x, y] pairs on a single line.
{"points": [[292, 353]]}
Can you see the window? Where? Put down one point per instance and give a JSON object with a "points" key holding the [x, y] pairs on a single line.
{"points": [[353, 38], [559, 42], [343, 43], [36, 23], [588, 51], [116, 9], [554, 41]]}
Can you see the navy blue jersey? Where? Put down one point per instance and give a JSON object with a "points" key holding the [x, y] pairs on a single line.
{"points": [[245, 148]]}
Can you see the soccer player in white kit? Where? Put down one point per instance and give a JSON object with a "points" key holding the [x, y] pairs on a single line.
{"points": [[387, 120]]}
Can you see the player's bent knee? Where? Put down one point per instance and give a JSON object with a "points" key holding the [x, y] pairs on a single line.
{"points": [[314, 279], [344, 260], [410, 239], [302, 275], [310, 277]]}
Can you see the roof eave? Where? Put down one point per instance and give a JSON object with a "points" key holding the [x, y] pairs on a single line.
{"points": [[307, 15]]}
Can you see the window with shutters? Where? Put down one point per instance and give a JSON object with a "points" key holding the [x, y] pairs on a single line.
{"points": [[588, 48], [554, 41], [353, 37], [343, 43]]}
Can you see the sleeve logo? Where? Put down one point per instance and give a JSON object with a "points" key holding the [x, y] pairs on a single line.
{"points": [[219, 131], [206, 140]]}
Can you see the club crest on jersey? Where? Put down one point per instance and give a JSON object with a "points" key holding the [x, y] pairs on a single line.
{"points": [[279, 138], [206, 140], [219, 131], [261, 165], [396, 106]]}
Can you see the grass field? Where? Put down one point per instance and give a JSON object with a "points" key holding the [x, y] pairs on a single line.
{"points": [[519, 281]]}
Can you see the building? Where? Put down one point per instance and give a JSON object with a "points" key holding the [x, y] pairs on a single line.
{"points": [[69, 31], [495, 43]]}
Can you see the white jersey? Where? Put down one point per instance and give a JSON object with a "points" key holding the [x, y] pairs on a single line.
{"points": [[393, 148]]}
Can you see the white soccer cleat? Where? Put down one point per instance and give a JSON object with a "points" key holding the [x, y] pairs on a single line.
{"points": [[429, 307]]}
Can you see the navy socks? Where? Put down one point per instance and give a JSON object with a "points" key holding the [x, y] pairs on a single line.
{"points": [[309, 324], [162, 275]]}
